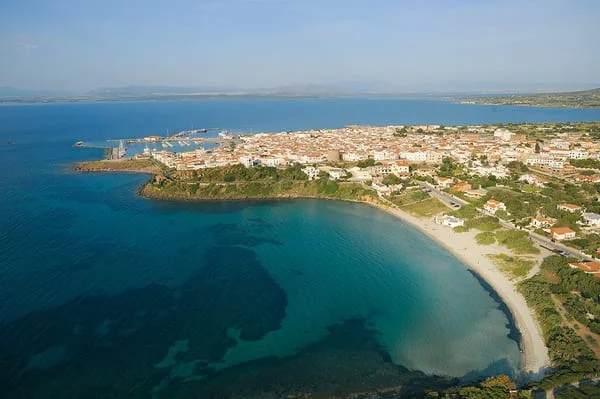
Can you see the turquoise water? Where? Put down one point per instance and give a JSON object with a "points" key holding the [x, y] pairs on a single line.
{"points": [[105, 294]]}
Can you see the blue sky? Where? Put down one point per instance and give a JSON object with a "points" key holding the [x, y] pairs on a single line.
{"points": [[410, 45]]}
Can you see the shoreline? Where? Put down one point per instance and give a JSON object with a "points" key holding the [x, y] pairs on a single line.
{"points": [[465, 248], [535, 359], [473, 256]]}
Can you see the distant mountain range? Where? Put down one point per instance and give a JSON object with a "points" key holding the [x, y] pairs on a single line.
{"points": [[341, 89], [26, 93]]}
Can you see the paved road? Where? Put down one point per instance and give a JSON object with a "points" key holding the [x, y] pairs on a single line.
{"points": [[544, 242], [443, 196]]}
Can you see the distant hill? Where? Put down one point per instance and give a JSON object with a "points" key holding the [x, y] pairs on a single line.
{"points": [[12, 92], [572, 99]]}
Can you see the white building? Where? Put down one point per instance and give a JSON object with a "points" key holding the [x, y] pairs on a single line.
{"points": [[450, 221], [541, 222], [311, 172], [578, 154], [414, 156], [400, 168], [354, 157], [246, 161], [384, 155], [492, 206], [503, 134], [591, 219], [336, 173], [569, 208], [385, 168]]}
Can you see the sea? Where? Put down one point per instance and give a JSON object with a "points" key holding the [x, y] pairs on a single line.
{"points": [[104, 294]]}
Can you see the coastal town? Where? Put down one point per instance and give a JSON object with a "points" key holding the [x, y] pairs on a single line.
{"points": [[463, 161]]}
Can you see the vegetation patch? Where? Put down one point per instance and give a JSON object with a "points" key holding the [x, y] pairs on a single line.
{"points": [[429, 207], [569, 353], [484, 223], [409, 197], [515, 267], [517, 241], [125, 165], [485, 238]]}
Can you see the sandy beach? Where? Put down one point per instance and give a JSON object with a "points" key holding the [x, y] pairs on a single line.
{"points": [[465, 247]]}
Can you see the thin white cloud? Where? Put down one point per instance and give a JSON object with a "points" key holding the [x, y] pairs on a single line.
{"points": [[26, 45]]}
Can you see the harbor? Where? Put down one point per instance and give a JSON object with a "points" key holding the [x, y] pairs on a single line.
{"points": [[185, 140]]}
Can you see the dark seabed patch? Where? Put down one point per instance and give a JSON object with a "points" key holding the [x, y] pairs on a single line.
{"points": [[348, 361], [106, 346], [246, 234]]}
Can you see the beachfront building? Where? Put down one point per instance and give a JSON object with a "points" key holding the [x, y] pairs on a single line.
{"points": [[569, 208], [492, 206], [562, 233], [590, 267], [449, 221]]}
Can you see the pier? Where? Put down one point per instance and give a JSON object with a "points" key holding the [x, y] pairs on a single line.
{"points": [[184, 138]]}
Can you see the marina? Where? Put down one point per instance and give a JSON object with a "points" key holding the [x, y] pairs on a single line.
{"points": [[184, 140]]}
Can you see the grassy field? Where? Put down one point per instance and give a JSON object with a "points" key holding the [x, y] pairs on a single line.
{"points": [[515, 267], [429, 207], [517, 241], [409, 197], [484, 223], [485, 238]]}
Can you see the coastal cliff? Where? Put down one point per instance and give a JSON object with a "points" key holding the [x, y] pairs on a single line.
{"points": [[162, 188]]}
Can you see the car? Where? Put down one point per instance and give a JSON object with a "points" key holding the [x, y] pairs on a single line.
{"points": [[563, 253]]}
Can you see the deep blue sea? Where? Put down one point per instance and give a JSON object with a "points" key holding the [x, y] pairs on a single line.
{"points": [[104, 294]]}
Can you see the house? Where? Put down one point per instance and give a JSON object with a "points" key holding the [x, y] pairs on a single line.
{"points": [[311, 172], [400, 168], [477, 193], [462, 186], [562, 233], [385, 168], [445, 182], [589, 267], [578, 154], [492, 206], [450, 221], [591, 219], [540, 222], [569, 208], [336, 173], [381, 188], [588, 179]]}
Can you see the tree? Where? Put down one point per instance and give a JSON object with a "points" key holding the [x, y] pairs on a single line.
{"points": [[537, 147]]}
